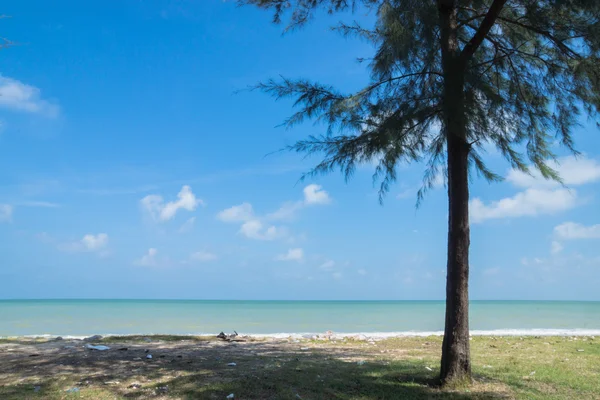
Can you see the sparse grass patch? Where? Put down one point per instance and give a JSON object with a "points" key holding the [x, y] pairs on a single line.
{"points": [[190, 367]]}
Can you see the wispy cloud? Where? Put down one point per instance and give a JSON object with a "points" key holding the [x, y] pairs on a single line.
{"points": [[531, 202], [296, 254], [259, 227], [93, 243], [313, 195], [18, 96], [6, 212], [541, 196], [203, 256], [572, 230], [156, 207], [151, 259], [187, 226]]}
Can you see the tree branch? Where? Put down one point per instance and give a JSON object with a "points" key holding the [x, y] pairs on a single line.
{"points": [[484, 28], [559, 43]]}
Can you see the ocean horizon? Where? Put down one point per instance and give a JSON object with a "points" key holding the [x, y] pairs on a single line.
{"points": [[381, 318]]}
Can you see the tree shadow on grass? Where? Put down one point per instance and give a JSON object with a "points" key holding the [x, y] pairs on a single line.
{"points": [[263, 371]]}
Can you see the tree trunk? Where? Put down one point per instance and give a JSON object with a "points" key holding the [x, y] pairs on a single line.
{"points": [[456, 355]]}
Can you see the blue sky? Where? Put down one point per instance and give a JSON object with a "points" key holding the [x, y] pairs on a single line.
{"points": [[130, 169]]}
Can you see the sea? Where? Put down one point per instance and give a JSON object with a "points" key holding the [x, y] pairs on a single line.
{"points": [[77, 318]]}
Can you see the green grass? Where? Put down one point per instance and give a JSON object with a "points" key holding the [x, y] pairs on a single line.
{"points": [[403, 368]]}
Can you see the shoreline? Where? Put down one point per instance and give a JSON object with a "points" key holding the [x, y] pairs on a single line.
{"points": [[337, 335]]}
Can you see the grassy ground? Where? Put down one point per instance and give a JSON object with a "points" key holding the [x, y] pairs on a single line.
{"points": [[196, 368]]}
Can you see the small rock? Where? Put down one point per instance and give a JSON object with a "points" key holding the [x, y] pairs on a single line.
{"points": [[163, 389], [137, 359], [146, 351], [72, 390], [428, 369], [123, 349], [147, 339], [231, 364], [134, 386], [231, 396], [149, 356], [93, 338], [112, 383], [58, 338]]}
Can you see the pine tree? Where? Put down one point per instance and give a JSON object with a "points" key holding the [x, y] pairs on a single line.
{"points": [[449, 78]]}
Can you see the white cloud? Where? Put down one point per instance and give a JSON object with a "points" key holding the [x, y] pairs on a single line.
{"points": [[6, 211], [95, 242], [556, 247], [540, 196], [362, 272], [572, 230], [287, 211], [327, 265], [203, 256], [531, 202], [573, 170], [314, 194], [337, 275], [240, 213], [16, 95], [259, 228], [149, 259], [161, 211], [89, 243], [187, 225], [296, 254], [255, 229]]}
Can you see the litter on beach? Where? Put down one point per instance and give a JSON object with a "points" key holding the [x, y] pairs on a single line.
{"points": [[98, 347]]}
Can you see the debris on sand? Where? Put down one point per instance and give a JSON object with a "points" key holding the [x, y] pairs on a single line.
{"points": [[231, 364], [72, 390], [428, 369], [231, 396], [97, 347], [149, 356], [228, 338]]}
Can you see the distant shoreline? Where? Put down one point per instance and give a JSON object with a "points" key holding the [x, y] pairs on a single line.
{"points": [[338, 335]]}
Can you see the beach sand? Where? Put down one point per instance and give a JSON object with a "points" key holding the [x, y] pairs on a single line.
{"points": [[278, 368]]}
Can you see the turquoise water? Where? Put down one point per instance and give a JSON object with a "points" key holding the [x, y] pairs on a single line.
{"points": [[86, 317]]}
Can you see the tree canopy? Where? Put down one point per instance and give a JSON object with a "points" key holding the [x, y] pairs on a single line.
{"points": [[531, 67]]}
